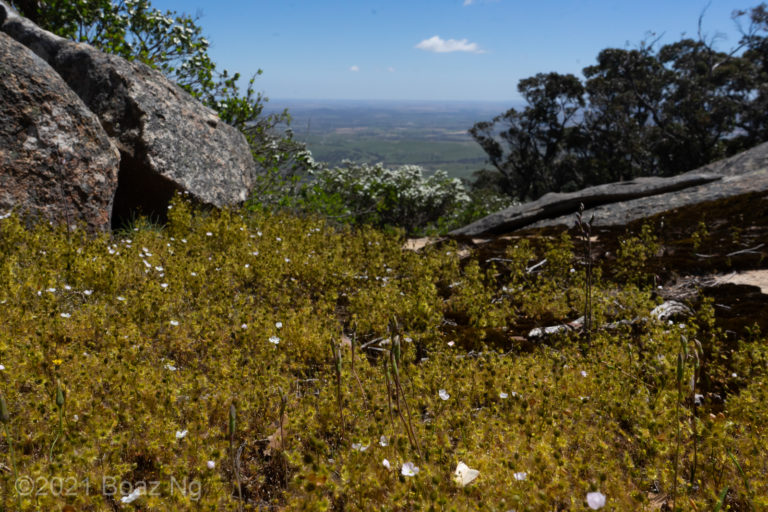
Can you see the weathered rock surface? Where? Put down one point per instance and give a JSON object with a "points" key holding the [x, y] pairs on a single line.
{"points": [[617, 204], [56, 162], [168, 141]]}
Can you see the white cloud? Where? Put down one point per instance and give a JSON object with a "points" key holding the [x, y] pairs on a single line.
{"points": [[354, 69], [474, 2], [438, 45]]}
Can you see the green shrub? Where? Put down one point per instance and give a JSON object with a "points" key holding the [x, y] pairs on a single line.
{"points": [[373, 194]]}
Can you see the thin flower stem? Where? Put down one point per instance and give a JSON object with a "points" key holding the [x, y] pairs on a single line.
{"points": [[677, 426], [13, 462], [408, 425], [58, 433]]}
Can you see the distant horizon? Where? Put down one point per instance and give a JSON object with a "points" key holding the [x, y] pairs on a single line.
{"points": [[390, 101], [438, 50]]}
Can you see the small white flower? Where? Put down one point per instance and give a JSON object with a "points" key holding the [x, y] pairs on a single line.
{"points": [[170, 367], [181, 434], [244, 326], [697, 398], [211, 464], [583, 373], [520, 476], [277, 238], [386, 464], [193, 274], [65, 315], [383, 441], [2, 367], [247, 265], [595, 500], [159, 269], [164, 285], [175, 323], [274, 339], [75, 417], [255, 253], [443, 394], [67, 287], [208, 233], [87, 292], [358, 447], [130, 498], [409, 469], [121, 298], [51, 290], [573, 270], [287, 260], [279, 325], [735, 375], [408, 340], [451, 343], [503, 395]]}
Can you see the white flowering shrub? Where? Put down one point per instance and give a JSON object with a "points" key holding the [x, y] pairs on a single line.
{"points": [[373, 194]]}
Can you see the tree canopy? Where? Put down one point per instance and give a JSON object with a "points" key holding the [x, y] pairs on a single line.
{"points": [[650, 110]]}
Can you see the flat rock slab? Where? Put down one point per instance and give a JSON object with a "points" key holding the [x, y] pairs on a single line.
{"points": [[617, 204], [758, 278], [622, 213], [56, 162]]}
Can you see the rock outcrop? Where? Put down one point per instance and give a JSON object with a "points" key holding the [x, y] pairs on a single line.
{"points": [[56, 162], [618, 204], [167, 140]]}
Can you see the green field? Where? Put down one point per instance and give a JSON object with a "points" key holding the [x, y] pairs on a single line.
{"points": [[433, 135], [457, 158]]}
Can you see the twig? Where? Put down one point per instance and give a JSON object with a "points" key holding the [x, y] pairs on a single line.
{"points": [[751, 250], [369, 343], [534, 267]]}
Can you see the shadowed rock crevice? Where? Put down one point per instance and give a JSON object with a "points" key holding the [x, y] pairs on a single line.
{"points": [[140, 192]]}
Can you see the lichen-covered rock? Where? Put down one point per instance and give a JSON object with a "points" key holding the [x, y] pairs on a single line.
{"points": [[56, 161], [168, 140]]}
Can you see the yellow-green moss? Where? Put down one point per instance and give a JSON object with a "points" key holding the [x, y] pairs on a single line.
{"points": [[157, 331]]}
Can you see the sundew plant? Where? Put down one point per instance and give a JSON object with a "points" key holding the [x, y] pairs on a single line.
{"points": [[235, 360]]}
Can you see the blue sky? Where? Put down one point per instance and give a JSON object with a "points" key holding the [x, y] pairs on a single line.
{"points": [[432, 49]]}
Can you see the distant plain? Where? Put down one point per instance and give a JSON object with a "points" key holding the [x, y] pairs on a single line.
{"points": [[431, 134]]}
